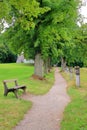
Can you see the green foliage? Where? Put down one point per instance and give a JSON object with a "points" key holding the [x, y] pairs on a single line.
{"points": [[80, 46], [24, 18], [3, 53], [6, 54], [45, 27], [23, 14], [4, 9], [55, 32]]}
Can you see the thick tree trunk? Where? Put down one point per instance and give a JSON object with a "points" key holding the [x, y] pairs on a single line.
{"points": [[38, 66], [47, 65], [63, 64]]}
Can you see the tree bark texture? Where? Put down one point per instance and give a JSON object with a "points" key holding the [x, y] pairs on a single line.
{"points": [[38, 66], [47, 65], [63, 63]]}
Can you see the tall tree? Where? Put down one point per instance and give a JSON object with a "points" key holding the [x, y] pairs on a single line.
{"points": [[55, 33], [81, 44], [46, 24]]}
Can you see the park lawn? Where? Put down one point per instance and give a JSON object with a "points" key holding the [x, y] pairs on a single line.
{"points": [[75, 114], [12, 110]]}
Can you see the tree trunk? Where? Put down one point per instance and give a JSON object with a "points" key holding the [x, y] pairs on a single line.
{"points": [[38, 66], [63, 64], [47, 65]]}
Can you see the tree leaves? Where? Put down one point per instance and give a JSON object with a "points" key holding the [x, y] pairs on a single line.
{"points": [[47, 27]]}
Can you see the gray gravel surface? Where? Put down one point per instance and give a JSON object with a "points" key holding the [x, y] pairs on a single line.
{"points": [[47, 111]]}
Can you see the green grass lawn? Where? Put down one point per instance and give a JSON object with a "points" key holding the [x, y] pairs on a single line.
{"points": [[75, 114], [12, 110]]}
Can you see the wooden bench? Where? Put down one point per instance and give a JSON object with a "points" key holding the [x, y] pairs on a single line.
{"points": [[13, 89]]}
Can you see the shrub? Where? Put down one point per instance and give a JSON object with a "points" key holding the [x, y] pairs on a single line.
{"points": [[6, 55]]}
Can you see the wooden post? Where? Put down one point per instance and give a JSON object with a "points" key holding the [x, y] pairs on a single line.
{"points": [[77, 71]]}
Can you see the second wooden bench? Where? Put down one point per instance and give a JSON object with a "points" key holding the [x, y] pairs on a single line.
{"points": [[13, 89]]}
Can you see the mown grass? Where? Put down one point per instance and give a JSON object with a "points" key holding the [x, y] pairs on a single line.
{"points": [[12, 110], [75, 114]]}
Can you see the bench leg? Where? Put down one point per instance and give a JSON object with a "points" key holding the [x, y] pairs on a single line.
{"points": [[5, 92], [16, 94], [24, 89]]}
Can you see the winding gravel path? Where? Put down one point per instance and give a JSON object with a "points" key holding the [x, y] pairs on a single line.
{"points": [[47, 110]]}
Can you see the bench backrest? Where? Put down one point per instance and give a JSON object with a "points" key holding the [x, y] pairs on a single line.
{"points": [[7, 81]]}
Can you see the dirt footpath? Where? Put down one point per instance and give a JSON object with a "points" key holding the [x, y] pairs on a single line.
{"points": [[47, 110]]}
